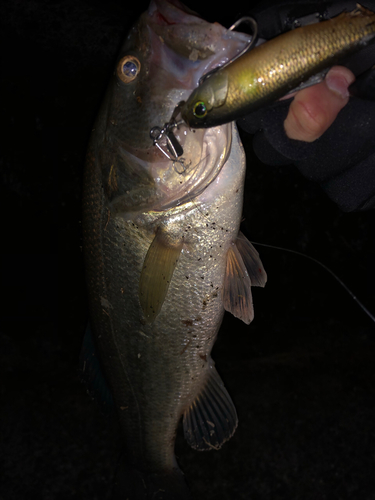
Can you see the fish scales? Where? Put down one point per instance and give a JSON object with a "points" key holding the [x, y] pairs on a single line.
{"points": [[169, 358], [270, 70], [158, 236]]}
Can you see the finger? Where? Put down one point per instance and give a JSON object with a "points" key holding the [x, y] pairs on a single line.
{"points": [[314, 109]]}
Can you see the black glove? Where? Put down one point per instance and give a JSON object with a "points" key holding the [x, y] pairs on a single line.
{"points": [[342, 160]]}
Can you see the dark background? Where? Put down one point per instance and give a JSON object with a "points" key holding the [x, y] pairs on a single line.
{"points": [[301, 376]]}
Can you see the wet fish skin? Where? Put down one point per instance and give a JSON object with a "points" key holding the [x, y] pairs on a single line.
{"points": [[272, 69], [159, 241]]}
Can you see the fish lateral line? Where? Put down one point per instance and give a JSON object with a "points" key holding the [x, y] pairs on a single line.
{"points": [[132, 259]]}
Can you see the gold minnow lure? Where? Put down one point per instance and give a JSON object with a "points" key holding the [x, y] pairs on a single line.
{"points": [[272, 69]]}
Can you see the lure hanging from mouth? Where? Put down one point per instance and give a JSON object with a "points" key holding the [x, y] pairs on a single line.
{"points": [[274, 68]]}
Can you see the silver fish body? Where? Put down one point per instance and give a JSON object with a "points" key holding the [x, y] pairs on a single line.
{"points": [[158, 239]]}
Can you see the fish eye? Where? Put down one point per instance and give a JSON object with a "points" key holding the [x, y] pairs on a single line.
{"points": [[128, 69], [200, 109]]}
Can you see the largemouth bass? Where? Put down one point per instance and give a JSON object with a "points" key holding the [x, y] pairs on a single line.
{"points": [[164, 256], [272, 69]]}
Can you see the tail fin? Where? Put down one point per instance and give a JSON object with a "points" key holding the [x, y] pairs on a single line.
{"points": [[133, 484]]}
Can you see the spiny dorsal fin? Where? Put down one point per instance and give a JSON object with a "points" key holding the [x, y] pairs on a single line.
{"points": [[212, 418], [251, 259], [237, 298], [157, 271]]}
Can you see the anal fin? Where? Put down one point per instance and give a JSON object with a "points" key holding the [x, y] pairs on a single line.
{"points": [[212, 418], [160, 262]]}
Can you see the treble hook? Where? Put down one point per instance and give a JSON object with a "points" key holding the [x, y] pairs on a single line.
{"points": [[181, 162], [254, 29]]}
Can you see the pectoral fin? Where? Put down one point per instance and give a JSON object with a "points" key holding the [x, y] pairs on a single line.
{"points": [[157, 271], [251, 259], [237, 298], [212, 418]]}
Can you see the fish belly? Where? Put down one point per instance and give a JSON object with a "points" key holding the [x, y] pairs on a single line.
{"points": [[155, 370]]}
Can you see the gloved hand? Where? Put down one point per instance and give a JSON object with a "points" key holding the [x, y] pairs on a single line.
{"points": [[342, 160]]}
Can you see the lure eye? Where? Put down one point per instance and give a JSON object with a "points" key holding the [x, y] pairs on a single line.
{"points": [[200, 109], [128, 69]]}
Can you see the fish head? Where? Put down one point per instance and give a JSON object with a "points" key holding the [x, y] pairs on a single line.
{"points": [[162, 60]]}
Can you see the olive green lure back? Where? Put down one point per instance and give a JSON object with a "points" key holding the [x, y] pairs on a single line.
{"points": [[272, 69]]}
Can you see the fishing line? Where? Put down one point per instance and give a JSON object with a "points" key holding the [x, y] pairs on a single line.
{"points": [[326, 268], [345, 287], [199, 208]]}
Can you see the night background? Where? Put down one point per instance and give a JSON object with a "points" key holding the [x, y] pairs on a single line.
{"points": [[301, 375]]}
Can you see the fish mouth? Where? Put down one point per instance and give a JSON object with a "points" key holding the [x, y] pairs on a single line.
{"points": [[181, 29], [183, 179], [205, 45], [187, 46]]}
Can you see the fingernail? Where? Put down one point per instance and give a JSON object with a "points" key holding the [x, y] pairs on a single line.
{"points": [[338, 83]]}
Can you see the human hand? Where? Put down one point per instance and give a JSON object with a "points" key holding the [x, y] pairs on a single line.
{"points": [[314, 109], [330, 138]]}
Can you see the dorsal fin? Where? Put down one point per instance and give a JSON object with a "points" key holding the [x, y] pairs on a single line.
{"points": [[212, 418], [237, 298], [251, 259], [157, 271]]}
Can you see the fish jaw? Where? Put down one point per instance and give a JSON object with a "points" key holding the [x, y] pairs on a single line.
{"points": [[175, 48]]}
